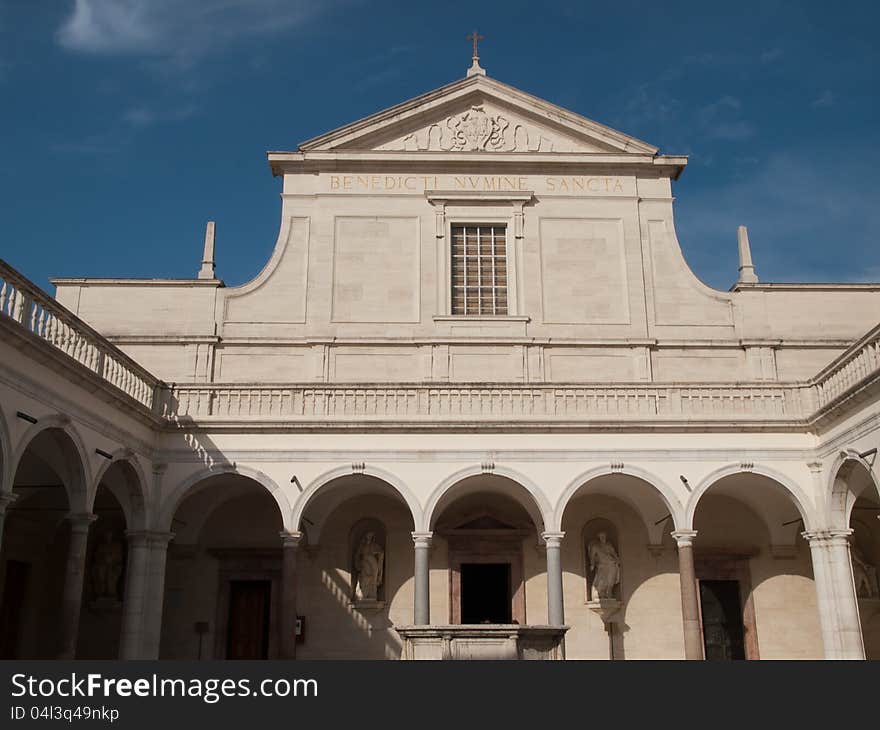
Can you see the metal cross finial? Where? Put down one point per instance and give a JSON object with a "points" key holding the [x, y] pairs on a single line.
{"points": [[476, 39]]}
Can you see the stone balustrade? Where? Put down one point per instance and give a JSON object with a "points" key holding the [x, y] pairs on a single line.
{"points": [[483, 402], [540, 403], [858, 364], [439, 405], [26, 304]]}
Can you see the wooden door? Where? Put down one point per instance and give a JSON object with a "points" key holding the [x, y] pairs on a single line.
{"points": [[248, 628], [721, 619], [14, 587]]}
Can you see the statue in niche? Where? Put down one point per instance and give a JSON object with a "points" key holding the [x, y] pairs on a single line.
{"points": [[107, 569], [864, 573], [604, 567], [369, 564]]}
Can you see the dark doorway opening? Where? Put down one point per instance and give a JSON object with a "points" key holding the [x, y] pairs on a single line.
{"points": [[14, 589], [248, 634], [723, 635], [485, 593]]}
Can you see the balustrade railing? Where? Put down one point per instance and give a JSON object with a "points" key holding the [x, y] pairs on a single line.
{"points": [[784, 402], [430, 402], [33, 309], [859, 362]]}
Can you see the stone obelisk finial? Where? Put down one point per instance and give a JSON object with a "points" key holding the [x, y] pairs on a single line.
{"points": [[207, 270], [746, 269], [475, 69]]}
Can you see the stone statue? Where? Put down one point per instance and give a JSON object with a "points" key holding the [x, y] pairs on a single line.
{"points": [[864, 573], [604, 567], [369, 564], [107, 568]]}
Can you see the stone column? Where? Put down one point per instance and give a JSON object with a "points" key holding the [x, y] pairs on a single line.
{"points": [[136, 570], [6, 499], [74, 575], [422, 598], [555, 605], [289, 548], [154, 601], [690, 607], [836, 594]]}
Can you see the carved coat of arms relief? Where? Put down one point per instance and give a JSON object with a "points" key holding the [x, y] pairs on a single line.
{"points": [[475, 130]]}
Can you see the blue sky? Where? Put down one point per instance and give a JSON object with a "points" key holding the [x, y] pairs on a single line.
{"points": [[127, 124]]}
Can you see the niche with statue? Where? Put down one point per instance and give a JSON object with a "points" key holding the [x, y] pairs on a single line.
{"points": [[603, 567], [367, 559], [106, 571]]}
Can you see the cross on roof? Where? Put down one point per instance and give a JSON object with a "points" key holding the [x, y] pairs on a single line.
{"points": [[476, 39]]}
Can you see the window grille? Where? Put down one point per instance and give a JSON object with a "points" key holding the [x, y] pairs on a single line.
{"points": [[479, 269]]}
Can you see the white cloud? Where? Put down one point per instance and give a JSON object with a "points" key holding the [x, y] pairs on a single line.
{"points": [[824, 100], [175, 28], [720, 120], [144, 116], [771, 55], [732, 131]]}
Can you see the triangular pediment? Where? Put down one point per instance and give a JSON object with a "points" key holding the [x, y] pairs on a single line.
{"points": [[484, 522], [478, 114]]}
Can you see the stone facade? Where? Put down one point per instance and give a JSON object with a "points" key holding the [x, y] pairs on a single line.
{"points": [[239, 440]]}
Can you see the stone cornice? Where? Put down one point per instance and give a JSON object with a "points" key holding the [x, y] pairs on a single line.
{"points": [[354, 160], [84, 281], [804, 286]]}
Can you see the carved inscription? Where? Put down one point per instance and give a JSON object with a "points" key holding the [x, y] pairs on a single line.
{"points": [[555, 185]]}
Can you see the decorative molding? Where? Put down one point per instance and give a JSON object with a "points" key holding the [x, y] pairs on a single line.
{"points": [[684, 538], [422, 540], [290, 540], [514, 197], [827, 538]]}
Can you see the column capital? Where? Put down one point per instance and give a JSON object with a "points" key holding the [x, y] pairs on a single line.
{"points": [[146, 537], [81, 521], [684, 538], [6, 498], [829, 538], [290, 540], [552, 539], [422, 539]]}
